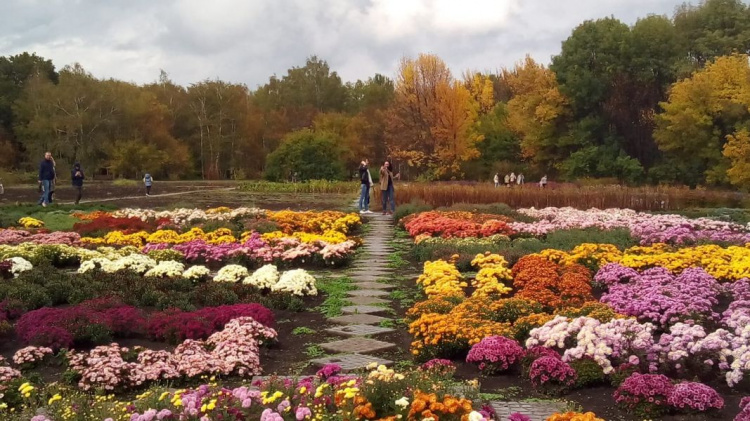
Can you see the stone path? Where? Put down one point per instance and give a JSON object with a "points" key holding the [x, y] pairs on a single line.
{"points": [[361, 320], [537, 411]]}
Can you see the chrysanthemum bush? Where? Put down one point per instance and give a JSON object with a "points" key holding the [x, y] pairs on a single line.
{"points": [[495, 354], [645, 395], [551, 375], [692, 397], [456, 224]]}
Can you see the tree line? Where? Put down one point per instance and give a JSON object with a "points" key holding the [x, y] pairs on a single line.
{"points": [[666, 100]]}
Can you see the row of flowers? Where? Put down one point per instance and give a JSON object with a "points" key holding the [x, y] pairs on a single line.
{"points": [[647, 228], [378, 393], [296, 282]]}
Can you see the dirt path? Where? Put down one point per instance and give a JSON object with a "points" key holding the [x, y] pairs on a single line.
{"points": [[111, 199]]}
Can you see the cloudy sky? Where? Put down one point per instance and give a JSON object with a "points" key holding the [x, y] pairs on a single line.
{"points": [[246, 41]]}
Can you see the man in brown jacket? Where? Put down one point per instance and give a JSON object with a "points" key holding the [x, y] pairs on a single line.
{"points": [[386, 187]]}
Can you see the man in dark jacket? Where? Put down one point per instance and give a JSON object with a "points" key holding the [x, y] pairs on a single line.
{"points": [[77, 177], [46, 178], [365, 183]]}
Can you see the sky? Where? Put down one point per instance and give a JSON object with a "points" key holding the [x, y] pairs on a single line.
{"points": [[247, 41]]}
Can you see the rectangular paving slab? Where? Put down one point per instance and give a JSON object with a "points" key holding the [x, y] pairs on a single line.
{"points": [[368, 293], [349, 362], [357, 345], [363, 309], [353, 319], [372, 285], [359, 330], [537, 411], [365, 301]]}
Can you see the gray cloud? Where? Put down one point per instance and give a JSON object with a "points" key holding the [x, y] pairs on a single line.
{"points": [[248, 41]]}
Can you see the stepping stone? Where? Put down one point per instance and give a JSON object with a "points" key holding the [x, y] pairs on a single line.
{"points": [[359, 330], [349, 362], [363, 309], [537, 411], [365, 301], [355, 319], [357, 345], [372, 285], [369, 278], [368, 293]]}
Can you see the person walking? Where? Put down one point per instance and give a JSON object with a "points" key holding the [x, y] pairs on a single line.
{"points": [[77, 177], [507, 180], [543, 181], [520, 179], [46, 178], [497, 180], [512, 178], [386, 187], [365, 183], [148, 181]]}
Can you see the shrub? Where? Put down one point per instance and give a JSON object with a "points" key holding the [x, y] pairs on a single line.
{"points": [[744, 414], [416, 206], [622, 372], [694, 397], [176, 326], [308, 155], [644, 394], [512, 309], [495, 354], [533, 354], [588, 372], [551, 376]]}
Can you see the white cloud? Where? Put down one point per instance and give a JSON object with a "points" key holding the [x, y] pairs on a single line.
{"points": [[248, 41]]}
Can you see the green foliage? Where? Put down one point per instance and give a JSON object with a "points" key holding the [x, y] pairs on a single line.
{"points": [[335, 290], [308, 186], [302, 330], [306, 155], [589, 373], [407, 209]]}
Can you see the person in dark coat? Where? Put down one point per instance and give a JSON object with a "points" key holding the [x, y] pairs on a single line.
{"points": [[46, 178], [77, 177]]}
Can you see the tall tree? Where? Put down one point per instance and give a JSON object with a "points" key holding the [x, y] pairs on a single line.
{"points": [[431, 122], [701, 113], [714, 28]]}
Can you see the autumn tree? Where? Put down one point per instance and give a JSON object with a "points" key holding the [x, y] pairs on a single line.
{"points": [[538, 113], [702, 113], [431, 122]]}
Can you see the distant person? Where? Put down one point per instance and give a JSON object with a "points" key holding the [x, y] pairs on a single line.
{"points": [[365, 181], [512, 178], [54, 182], [148, 181], [497, 180], [520, 179], [77, 177], [46, 178], [387, 193], [507, 180], [543, 182]]}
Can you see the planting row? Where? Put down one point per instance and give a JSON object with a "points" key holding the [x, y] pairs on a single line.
{"points": [[646, 228]]}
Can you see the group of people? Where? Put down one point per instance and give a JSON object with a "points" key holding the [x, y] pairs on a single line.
{"points": [[48, 178], [386, 186], [512, 178]]}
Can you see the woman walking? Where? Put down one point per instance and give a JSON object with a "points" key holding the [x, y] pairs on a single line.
{"points": [[386, 187]]}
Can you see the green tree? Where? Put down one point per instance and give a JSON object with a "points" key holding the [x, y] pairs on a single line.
{"points": [[307, 155], [500, 147], [714, 28]]}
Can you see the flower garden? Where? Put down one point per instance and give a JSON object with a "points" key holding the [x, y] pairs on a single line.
{"points": [[661, 324], [137, 314]]}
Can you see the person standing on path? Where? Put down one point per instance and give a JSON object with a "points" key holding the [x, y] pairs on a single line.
{"points": [[365, 184], [520, 179], [77, 177], [46, 178], [148, 181], [543, 181], [386, 187], [507, 180], [512, 178], [497, 180]]}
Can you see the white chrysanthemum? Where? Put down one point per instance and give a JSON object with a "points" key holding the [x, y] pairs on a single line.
{"points": [[297, 282], [263, 278], [196, 272], [167, 268], [231, 273], [20, 265]]}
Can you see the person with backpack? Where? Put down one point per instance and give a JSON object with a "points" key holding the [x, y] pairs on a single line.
{"points": [[148, 181], [77, 177]]}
